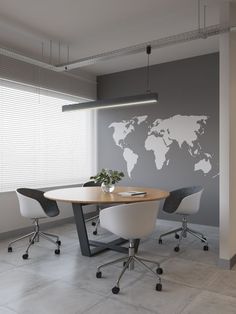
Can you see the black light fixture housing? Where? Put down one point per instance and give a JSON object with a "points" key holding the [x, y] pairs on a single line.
{"points": [[147, 98]]}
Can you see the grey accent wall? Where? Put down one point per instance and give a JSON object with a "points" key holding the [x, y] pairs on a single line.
{"points": [[188, 87]]}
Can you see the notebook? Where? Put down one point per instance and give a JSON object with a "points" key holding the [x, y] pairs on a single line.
{"points": [[133, 193]]}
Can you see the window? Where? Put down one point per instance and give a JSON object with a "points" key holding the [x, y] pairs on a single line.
{"points": [[40, 146]]}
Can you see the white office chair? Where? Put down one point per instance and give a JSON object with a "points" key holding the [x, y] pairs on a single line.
{"points": [[35, 206], [131, 221], [184, 202]]}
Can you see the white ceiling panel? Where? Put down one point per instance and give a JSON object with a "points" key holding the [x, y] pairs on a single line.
{"points": [[91, 27]]}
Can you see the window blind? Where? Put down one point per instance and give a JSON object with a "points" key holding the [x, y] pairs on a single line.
{"points": [[39, 145]]}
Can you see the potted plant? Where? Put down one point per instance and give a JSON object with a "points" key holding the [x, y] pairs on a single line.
{"points": [[108, 179]]}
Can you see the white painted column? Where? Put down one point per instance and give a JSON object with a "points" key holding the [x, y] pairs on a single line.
{"points": [[227, 47]]}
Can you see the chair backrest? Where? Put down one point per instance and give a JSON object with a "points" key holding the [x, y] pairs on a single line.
{"points": [[88, 184], [184, 201], [91, 183], [33, 204], [130, 221]]}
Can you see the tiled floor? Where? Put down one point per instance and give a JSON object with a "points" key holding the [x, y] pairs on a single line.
{"points": [[48, 284]]}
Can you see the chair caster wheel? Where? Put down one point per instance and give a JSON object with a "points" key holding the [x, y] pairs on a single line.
{"points": [[93, 223], [9, 249], [115, 290], [160, 241], [58, 242], [95, 232], [159, 271], [99, 274], [25, 256], [176, 249], [158, 287], [176, 236], [57, 252], [124, 263], [205, 248]]}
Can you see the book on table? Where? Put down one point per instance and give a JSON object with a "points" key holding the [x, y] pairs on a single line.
{"points": [[133, 193]]}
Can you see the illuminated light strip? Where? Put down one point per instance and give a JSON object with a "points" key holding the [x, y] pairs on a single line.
{"points": [[127, 104], [113, 103]]}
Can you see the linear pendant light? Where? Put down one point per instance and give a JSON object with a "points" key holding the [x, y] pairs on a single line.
{"points": [[148, 98], [114, 102]]}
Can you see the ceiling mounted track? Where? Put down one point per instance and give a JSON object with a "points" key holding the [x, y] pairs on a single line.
{"points": [[200, 33]]}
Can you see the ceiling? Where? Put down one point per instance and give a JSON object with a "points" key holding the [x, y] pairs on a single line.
{"points": [[90, 27]]}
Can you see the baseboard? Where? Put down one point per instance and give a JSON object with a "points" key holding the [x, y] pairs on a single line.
{"points": [[227, 264], [43, 226]]}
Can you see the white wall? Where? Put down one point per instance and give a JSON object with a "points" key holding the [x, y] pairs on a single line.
{"points": [[83, 86], [228, 138]]}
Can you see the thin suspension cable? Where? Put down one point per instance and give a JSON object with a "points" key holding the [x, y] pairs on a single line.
{"points": [[50, 52], [199, 15], [204, 25], [68, 53], [42, 50], [68, 56], [59, 51]]}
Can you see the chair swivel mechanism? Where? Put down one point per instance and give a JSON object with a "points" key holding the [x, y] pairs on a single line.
{"points": [[184, 202], [131, 221], [35, 206]]}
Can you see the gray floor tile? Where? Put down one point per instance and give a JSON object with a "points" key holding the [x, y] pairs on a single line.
{"points": [[65, 241], [17, 283], [36, 253], [54, 268], [196, 253], [27, 285], [211, 303], [85, 277], [166, 249], [116, 307], [4, 310], [224, 282], [58, 298], [172, 299], [188, 272], [4, 266]]}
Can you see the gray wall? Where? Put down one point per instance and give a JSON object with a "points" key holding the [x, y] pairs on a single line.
{"points": [[187, 87]]}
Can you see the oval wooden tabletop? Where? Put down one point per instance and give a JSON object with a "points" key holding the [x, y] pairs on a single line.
{"points": [[94, 195]]}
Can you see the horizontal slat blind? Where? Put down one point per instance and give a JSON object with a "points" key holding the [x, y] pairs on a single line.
{"points": [[40, 146]]}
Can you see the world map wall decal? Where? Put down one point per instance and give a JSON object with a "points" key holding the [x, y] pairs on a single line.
{"points": [[185, 131]]}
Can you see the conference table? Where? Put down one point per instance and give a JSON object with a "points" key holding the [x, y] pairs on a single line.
{"points": [[79, 196]]}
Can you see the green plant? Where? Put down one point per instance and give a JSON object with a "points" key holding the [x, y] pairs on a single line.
{"points": [[108, 176]]}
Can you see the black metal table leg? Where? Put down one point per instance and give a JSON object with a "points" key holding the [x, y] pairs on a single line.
{"points": [[81, 229], [113, 245], [136, 245], [98, 246]]}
